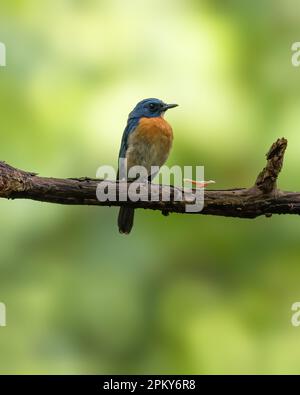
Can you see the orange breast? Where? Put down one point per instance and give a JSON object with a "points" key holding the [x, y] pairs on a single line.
{"points": [[155, 133], [150, 143], [153, 128]]}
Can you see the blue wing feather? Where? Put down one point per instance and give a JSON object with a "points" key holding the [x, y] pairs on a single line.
{"points": [[130, 127]]}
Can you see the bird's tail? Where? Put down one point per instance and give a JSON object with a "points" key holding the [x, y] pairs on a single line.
{"points": [[125, 219]]}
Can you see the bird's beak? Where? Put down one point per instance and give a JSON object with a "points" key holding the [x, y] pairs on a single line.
{"points": [[167, 106]]}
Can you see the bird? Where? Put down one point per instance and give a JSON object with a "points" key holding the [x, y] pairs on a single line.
{"points": [[147, 140]]}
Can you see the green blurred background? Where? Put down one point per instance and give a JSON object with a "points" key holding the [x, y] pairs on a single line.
{"points": [[182, 294]]}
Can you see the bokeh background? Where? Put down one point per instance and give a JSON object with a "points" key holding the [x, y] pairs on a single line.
{"points": [[181, 294]]}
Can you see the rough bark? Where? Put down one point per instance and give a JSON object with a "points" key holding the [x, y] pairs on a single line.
{"points": [[264, 198]]}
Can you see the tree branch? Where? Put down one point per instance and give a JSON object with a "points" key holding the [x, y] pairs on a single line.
{"points": [[266, 180], [261, 199]]}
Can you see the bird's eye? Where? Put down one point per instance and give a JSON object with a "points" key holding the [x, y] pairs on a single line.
{"points": [[152, 106]]}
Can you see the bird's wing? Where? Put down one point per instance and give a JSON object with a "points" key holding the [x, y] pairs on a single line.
{"points": [[130, 127]]}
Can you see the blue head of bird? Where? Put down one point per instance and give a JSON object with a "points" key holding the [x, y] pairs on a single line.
{"points": [[150, 108]]}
